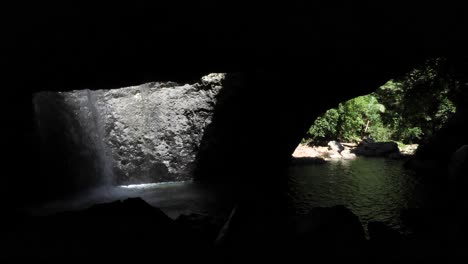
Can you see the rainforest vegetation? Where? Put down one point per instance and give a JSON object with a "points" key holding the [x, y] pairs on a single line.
{"points": [[408, 110]]}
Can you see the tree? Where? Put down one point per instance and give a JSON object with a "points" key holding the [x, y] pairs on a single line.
{"points": [[409, 109], [419, 103], [349, 122]]}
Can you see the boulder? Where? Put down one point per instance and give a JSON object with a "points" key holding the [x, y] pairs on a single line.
{"points": [[335, 155], [204, 227], [331, 230], [409, 149], [458, 171], [395, 155], [307, 161], [424, 166], [346, 154], [382, 234], [129, 228], [377, 149], [385, 243], [335, 146], [368, 140]]}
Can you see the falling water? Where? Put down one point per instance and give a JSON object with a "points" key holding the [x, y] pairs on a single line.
{"points": [[104, 161], [133, 135]]}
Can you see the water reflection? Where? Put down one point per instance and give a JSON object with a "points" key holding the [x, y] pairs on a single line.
{"points": [[375, 189]]}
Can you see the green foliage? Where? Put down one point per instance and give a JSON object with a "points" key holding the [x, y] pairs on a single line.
{"points": [[407, 110], [324, 127], [418, 104], [380, 133], [349, 122]]}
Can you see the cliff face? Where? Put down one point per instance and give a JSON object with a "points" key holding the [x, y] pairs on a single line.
{"points": [[138, 134]]}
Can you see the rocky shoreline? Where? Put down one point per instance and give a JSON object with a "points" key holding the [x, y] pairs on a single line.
{"points": [[347, 151]]}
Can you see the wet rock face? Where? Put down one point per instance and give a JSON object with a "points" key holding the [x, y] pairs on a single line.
{"points": [[154, 130], [146, 133]]}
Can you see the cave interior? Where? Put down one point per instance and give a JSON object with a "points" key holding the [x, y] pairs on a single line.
{"points": [[284, 66]]}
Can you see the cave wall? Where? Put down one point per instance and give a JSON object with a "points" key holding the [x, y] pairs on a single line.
{"points": [[439, 149], [260, 118], [140, 134], [297, 60]]}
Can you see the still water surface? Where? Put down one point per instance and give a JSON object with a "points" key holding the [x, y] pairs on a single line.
{"points": [[375, 189]]}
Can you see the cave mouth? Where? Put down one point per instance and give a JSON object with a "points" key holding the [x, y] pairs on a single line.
{"points": [[127, 137], [355, 154]]}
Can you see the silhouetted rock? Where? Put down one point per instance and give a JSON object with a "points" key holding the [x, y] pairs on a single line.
{"points": [[330, 231], [381, 233], [129, 228], [204, 227], [377, 149], [453, 135], [385, 243], [395, 155], [307, 161], [458, 171], [135, 207], [423, 222], [367, 140], [424, 166]]}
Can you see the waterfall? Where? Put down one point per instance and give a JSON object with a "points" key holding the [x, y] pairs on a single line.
{"points": [[104, 161], [133, 135]]}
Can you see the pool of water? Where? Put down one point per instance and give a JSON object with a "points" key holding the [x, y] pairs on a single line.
{"points": [[173, 198], [375, 189]]}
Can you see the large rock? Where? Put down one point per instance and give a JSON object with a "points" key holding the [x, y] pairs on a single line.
{"points": [[439, 149], [333, 230], [335, 146], [128, 228], [458, 171], [346, 154], [385, 243], [307, 161], [382, 234], [204, 227], [146, 133], [377, 149]]}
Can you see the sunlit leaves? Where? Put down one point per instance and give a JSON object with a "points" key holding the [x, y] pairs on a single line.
{"points": [[408, 109]]}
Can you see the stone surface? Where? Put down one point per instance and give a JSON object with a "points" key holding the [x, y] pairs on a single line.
{"points": [[138, 134], [438, 149], [385, 243], [335, 155], [121, 229], [458, 171], [346, 154], [319, 154], [307, 161], [335, 146], [381, 233], [305, 151], [330, 230], [377, 149], [409, 149], [204, 227]]}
